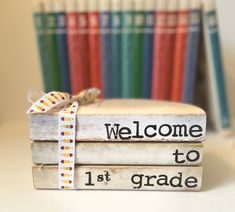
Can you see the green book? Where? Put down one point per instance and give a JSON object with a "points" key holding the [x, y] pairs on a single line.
{"points": [[53, 54], [127, 50], [39, 23], [138, 47]]}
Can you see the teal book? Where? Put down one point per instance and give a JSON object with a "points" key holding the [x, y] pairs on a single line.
{"points": [[105, 33], [138, 36], [39, 23], [219, 102], [52, 48], [127, 50], [116, 38]]}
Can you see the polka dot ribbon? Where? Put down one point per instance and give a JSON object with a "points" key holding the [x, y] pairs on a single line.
{"points": [[66, 128]]}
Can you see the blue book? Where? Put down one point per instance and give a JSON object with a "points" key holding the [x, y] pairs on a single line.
{"points": [[149, 25], [61, 39], [105, 25], [116, 39], [216, 70], [191, 54]]}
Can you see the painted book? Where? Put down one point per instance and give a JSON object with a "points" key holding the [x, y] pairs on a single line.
{"points": [[122, 153], [149, 25], [94, 44], [180, 51], [138, 28], [52, 48], [215, 67], [127, 120], [61, 38], [105, 30], [168, 178], [127, 50], [39, 24], [193, 40]]}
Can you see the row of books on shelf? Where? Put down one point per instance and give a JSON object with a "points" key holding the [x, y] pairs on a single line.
{"points": [[160, 49]]}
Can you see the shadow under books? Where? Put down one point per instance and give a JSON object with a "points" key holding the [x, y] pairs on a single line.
{"points": [[216, 172]]}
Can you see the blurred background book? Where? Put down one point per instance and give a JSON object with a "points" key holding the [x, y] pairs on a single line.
{"points": [[174, 50]]}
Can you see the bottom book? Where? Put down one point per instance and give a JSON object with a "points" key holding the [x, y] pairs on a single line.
{"points": [[168, 178]]}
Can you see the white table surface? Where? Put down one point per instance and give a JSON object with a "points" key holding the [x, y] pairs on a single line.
{"points": [[17, 192]]}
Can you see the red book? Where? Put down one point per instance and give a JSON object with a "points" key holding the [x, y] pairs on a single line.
{"points": [[83, 42], [94, 44], [77, 72], [180, 52], [159, 51], [171, 23]]}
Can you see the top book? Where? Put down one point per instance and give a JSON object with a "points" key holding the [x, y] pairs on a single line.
{"points": [[127, 120]]}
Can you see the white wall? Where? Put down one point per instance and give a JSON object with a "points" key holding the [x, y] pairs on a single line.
{"points": [[226, 15], [19, 64]]}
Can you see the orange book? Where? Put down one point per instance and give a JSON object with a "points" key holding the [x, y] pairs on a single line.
{"points": [[180, 51]]}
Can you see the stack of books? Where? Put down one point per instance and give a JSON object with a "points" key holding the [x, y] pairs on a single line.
{"points": [[123, 144], [134, 49]]}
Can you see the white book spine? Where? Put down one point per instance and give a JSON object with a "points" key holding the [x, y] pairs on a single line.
{"points": [[124, 127], [122, 153], [124, 178]]}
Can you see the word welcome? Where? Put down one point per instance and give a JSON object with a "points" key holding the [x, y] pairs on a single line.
{"points": [[116, 131]]}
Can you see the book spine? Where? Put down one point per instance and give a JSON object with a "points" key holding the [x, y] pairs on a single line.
{"points": [[138, 128], [61, 38], [94, 44], [215, 55], [193, 39], [159, 50], [105, 28], [39, 24], [149, 24], [127, 50], [138, 46], [83, 43], [116, 24], [170, 34], [53, 54], [180, 51], [119, 153], [124, 178], [76, 71]]}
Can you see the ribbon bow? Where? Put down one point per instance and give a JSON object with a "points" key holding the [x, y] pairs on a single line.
{"points": [[68, 106]]}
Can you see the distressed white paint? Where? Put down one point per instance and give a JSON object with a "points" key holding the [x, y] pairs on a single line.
{"points": [[121, 153], [47, 178], [91, 120]]}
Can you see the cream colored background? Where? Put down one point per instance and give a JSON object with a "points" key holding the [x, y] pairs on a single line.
{"points": [[19, 63]]}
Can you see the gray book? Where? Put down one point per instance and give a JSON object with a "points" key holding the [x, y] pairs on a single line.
{"points": [[183, 178], [122, 153], [127, 120]]}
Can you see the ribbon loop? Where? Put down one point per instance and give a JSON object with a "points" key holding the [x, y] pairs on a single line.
{"points": [[49, 101]]}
